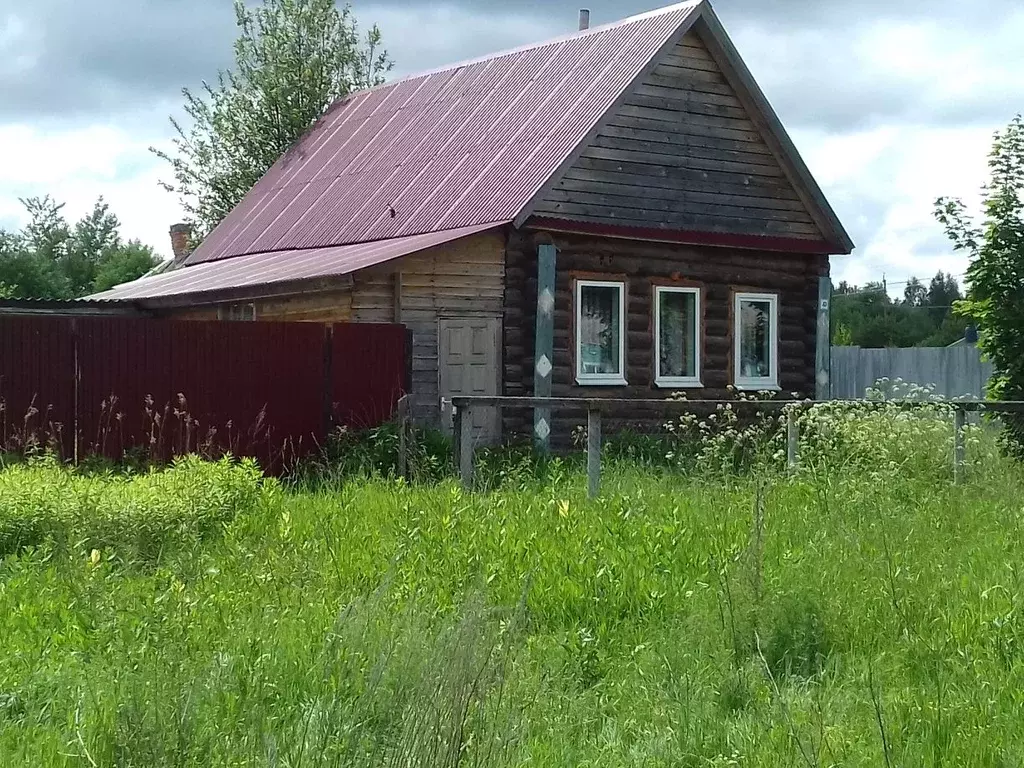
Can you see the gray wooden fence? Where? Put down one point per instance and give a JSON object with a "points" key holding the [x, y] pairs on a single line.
{"points": [[950, 371]]}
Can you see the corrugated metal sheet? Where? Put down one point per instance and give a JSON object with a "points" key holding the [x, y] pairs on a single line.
{"points": [[279, 266], [459, 147], [81, 384]]}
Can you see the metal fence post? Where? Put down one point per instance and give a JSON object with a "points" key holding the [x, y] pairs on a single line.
{"points": [[959, 448], [792, 439], [593, 452], [464, 421]]}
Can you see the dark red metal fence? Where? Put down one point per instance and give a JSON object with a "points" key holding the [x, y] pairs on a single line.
{"points": [[163, 387]]}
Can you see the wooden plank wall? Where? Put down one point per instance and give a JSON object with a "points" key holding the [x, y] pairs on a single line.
{"points": [[461, 279], [682, 153], [641, 264], [319, 307], [327, 307]]}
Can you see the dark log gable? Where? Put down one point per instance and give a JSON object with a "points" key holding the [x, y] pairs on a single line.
{"points": [[681, 152]]}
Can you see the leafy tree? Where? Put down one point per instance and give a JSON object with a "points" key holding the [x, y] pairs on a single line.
{"points": [[995, 277], [293, 59], [943, 293], [129, 262], [49, 259], [868, 317], [915, 294]]}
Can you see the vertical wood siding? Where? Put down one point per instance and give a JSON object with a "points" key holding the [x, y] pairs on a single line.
{"points": [[682, 153], [719, 271]]}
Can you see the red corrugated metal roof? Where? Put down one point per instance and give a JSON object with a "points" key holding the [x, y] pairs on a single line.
{"points": [[278, 267], [459, 147]]}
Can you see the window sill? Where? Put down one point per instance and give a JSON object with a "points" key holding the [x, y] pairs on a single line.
{"points": [[757, 386], [678, 383], [586, 381]]}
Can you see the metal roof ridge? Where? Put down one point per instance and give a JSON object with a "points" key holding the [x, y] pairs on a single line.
{"points": [[656, 12]]}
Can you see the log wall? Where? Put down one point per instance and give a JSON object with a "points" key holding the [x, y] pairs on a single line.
{"points": [[719, 271]]}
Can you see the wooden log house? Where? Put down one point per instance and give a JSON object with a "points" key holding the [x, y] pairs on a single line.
{"points": [[616, 213]]}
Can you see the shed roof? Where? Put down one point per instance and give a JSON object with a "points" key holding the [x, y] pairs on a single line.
{"points": [[460, 146], [276, 267]]}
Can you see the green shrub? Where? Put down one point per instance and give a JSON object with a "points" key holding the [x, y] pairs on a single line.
{"points": [[375, 453], [137, 516]]}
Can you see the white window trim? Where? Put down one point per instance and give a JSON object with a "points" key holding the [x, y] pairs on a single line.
{"points": [[600, 379], [676, 381], [757, 383]]}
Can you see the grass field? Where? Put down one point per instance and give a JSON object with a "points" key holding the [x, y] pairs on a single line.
{"points": [[863, 612]]}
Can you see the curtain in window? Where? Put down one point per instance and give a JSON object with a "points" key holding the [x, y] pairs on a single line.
{"points": [[677, 344], [599, 329], [755, 339]]}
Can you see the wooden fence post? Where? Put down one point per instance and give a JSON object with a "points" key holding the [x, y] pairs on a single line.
{"points": [[593, 452], [403, 437], [823, 347], [464, 427], [792, 439], [543, 345], [959, 448]]}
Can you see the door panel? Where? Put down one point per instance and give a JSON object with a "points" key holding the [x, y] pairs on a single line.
{"points": [[468, 359]]}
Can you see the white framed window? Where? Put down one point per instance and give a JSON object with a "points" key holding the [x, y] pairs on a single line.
{"points": [[600, 332], [756, 340], [677, 336]]}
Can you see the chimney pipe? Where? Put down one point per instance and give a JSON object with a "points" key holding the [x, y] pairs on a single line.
{"points": [[584, 19], [181, 241]]}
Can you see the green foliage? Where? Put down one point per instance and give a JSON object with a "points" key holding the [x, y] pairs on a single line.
{"points": [[868, 317], [995, 277], [728, 441], [797, 642], [350, 454], [50, 259], [293, 59], [775, 620], [135, 517]]}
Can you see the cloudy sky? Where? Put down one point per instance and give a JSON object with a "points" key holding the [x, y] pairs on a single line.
{"points": [[891, 102]]}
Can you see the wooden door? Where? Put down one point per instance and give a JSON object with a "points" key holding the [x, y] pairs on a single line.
{"points": [[468, 359]]}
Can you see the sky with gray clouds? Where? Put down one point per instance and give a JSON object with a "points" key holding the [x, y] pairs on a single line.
{"points": [[891, 102]]}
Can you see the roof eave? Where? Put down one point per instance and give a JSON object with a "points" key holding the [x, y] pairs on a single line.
{"points": [[247, 293]]}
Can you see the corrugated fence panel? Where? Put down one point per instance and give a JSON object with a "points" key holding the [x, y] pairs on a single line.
{"points": [[949, 371], [173, 387], [37, 363], [370, 372], [246, 388]]}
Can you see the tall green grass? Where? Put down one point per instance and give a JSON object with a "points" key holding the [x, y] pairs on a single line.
{"points": [[850, 614]]}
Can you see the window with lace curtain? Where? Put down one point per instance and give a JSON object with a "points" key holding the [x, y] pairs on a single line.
{"points": [[600, 324], [677, 336], [756, 341]]}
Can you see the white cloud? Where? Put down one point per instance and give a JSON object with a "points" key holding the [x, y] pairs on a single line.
{"points": [[898, 173], [421, 37], [77, 165]]}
